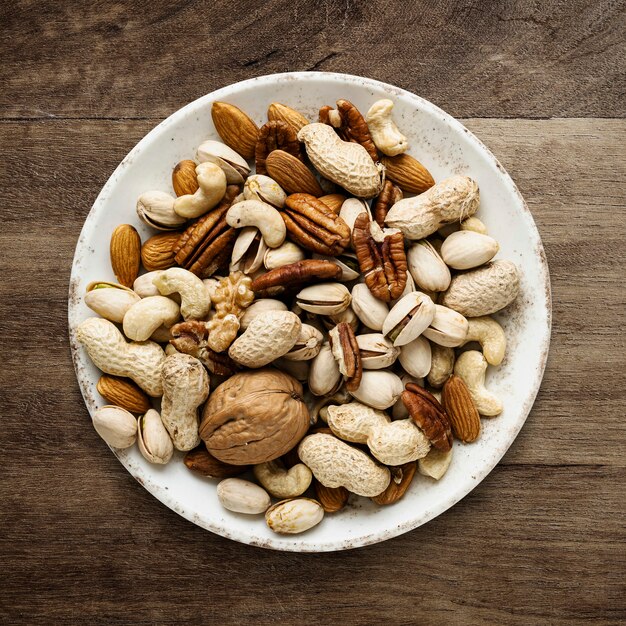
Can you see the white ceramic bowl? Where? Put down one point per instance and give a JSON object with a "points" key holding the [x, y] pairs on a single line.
{"points": [[445, 147]]}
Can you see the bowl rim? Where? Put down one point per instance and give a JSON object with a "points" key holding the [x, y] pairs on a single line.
{"points": [[373, 537]]}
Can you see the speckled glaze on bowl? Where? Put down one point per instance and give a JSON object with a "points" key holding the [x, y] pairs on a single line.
{"points": [[445, 147]]}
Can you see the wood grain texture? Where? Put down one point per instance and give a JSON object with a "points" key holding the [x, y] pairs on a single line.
{"points": [[541, 540], [143, 59]]}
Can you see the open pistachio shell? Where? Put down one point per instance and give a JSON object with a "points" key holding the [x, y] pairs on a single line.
{"points": [[324, 374], [447, 328], [307, 345], [324, 298], [409, 318], [115, 425], [379, 389], [369, 309], [156, 209], [285, 254], [415, 357], [153, 439], [249, 251], [232, 164], [377, 352], [110, 300], [265, 189], [143, 285]]}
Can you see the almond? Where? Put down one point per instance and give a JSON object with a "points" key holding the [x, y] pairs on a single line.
{"points": [[283, 113], [157, 252], [461, 410], [332, 499], [125, 249], [201, 461], [333, 201], [291, 174], [124, 393], [235, 128], [184, 178], [408, 173], [401, 478]]}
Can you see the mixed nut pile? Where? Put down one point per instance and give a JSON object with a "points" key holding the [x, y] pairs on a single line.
{"points": [[294, 300]]}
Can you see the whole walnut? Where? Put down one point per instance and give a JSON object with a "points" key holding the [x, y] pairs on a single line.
{"points": [[254, 417]]}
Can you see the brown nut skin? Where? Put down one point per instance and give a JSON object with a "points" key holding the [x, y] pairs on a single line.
{"points": [[184, 178], [408, 173], [401, 479], [275, 135], [353, 126], [157, 253], [125, 252], [199, 460], [124, 393], [334, 201], [389, 195], [235, 128], [254, 417], [291, 174], [426, 411], [295, 274], [383, 265], [278, 111], [461, 410], [314, 226], [332, 499]]}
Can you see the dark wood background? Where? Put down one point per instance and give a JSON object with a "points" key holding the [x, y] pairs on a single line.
{"points": [[542, 539]]}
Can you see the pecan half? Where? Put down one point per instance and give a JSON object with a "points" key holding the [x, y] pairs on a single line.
{"points": [[381, 257], [349, 124], [389, 195], [275, 135], [314, 226], [191, 338], [426, 411], [295, 274], [208, 243], [346, 350]]}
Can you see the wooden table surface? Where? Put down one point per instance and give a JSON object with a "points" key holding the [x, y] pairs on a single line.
{"points": [[542, 539]]}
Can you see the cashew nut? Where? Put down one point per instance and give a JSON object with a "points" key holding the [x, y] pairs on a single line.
{"points": [[281, 482], [195, 301], [392, 443], [336, 464], [490, 335], [185, 388], [145, 316], [471, 367], [109, 351], [385, 134], [441, 365], [264, 216], [212, 181]]}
